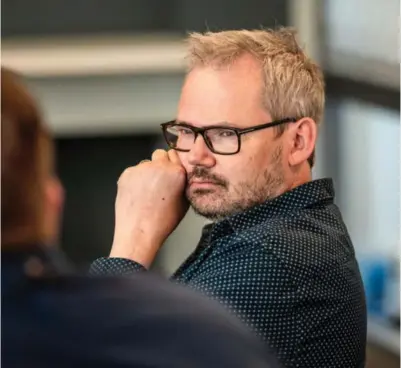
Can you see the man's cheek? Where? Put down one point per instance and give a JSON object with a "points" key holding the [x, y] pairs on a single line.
{"points": [[184, 161]]}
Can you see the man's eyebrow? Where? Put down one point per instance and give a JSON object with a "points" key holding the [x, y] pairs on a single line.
{"points": [[219, 123], [177, 121]]}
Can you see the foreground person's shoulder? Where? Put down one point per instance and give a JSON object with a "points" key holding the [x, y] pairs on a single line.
{"points": [[164, 322]]}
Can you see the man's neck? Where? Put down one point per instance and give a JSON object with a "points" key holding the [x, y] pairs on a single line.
{"points": [[301, 176]]}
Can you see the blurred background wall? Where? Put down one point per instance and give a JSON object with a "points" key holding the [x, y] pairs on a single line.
{"points": [[109, 72]]}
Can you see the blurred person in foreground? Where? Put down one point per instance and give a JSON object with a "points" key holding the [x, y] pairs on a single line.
{"points": [[278, 253], [54, 318]]}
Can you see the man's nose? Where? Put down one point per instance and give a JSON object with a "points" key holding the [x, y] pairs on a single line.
{"points": [[200, 154]]}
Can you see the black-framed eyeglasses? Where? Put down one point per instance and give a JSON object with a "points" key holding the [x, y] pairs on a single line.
{"points": [[219, 139]]}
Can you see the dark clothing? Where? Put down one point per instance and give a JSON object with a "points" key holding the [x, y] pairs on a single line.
{"points": [[287, 268], [51, 318]]}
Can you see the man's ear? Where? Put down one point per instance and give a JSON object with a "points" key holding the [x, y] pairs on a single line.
{"points": [[54, 203], [303, 135]]}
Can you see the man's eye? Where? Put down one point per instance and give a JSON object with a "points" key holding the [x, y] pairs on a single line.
{"points": [[184, 131], [226, 133], [177, 130]]}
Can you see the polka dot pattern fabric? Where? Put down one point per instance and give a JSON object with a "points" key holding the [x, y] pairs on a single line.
{"points": [[287, 269], [117, 266]]}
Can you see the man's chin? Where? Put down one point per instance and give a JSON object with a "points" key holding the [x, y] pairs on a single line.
{"points": [[207, 213], [208, 207]]}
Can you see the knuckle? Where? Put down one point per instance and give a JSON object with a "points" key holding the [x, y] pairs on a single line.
{"points": [[171, 153], [158, 152], [124, 175], [126, 172]]}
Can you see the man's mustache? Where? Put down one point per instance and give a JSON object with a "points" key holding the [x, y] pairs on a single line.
{"points": [[201, 173]]}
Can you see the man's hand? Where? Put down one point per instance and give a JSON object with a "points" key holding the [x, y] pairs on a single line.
{"points": [[150, 204]]}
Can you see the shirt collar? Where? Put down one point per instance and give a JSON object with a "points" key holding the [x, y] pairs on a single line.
{"points": [[306, 195]]}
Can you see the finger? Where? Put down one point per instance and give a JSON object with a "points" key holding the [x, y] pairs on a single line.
{"points": [[160, 155], [143, 161], [173, 156]]}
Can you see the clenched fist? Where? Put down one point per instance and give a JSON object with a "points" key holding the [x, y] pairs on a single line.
{"points": [[150, 204]]}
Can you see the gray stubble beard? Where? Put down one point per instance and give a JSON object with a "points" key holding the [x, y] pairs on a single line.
{"points": [[267, 186]]}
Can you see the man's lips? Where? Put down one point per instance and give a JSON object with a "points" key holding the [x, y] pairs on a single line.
{"points": [[202, 182]]}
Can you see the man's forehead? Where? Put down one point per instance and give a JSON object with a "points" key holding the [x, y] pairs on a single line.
{"points": [[228, 96]]}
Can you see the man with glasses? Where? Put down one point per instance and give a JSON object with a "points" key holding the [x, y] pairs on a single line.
{"points": [[277, 254]]}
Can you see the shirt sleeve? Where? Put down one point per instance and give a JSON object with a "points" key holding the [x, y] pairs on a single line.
{"points": [[114, 267]]}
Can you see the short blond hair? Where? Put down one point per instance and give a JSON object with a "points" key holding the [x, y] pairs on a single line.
{"points": [[293, 83]]}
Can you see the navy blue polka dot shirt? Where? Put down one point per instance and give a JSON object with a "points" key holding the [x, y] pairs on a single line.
{"points": [[287, 269]]}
